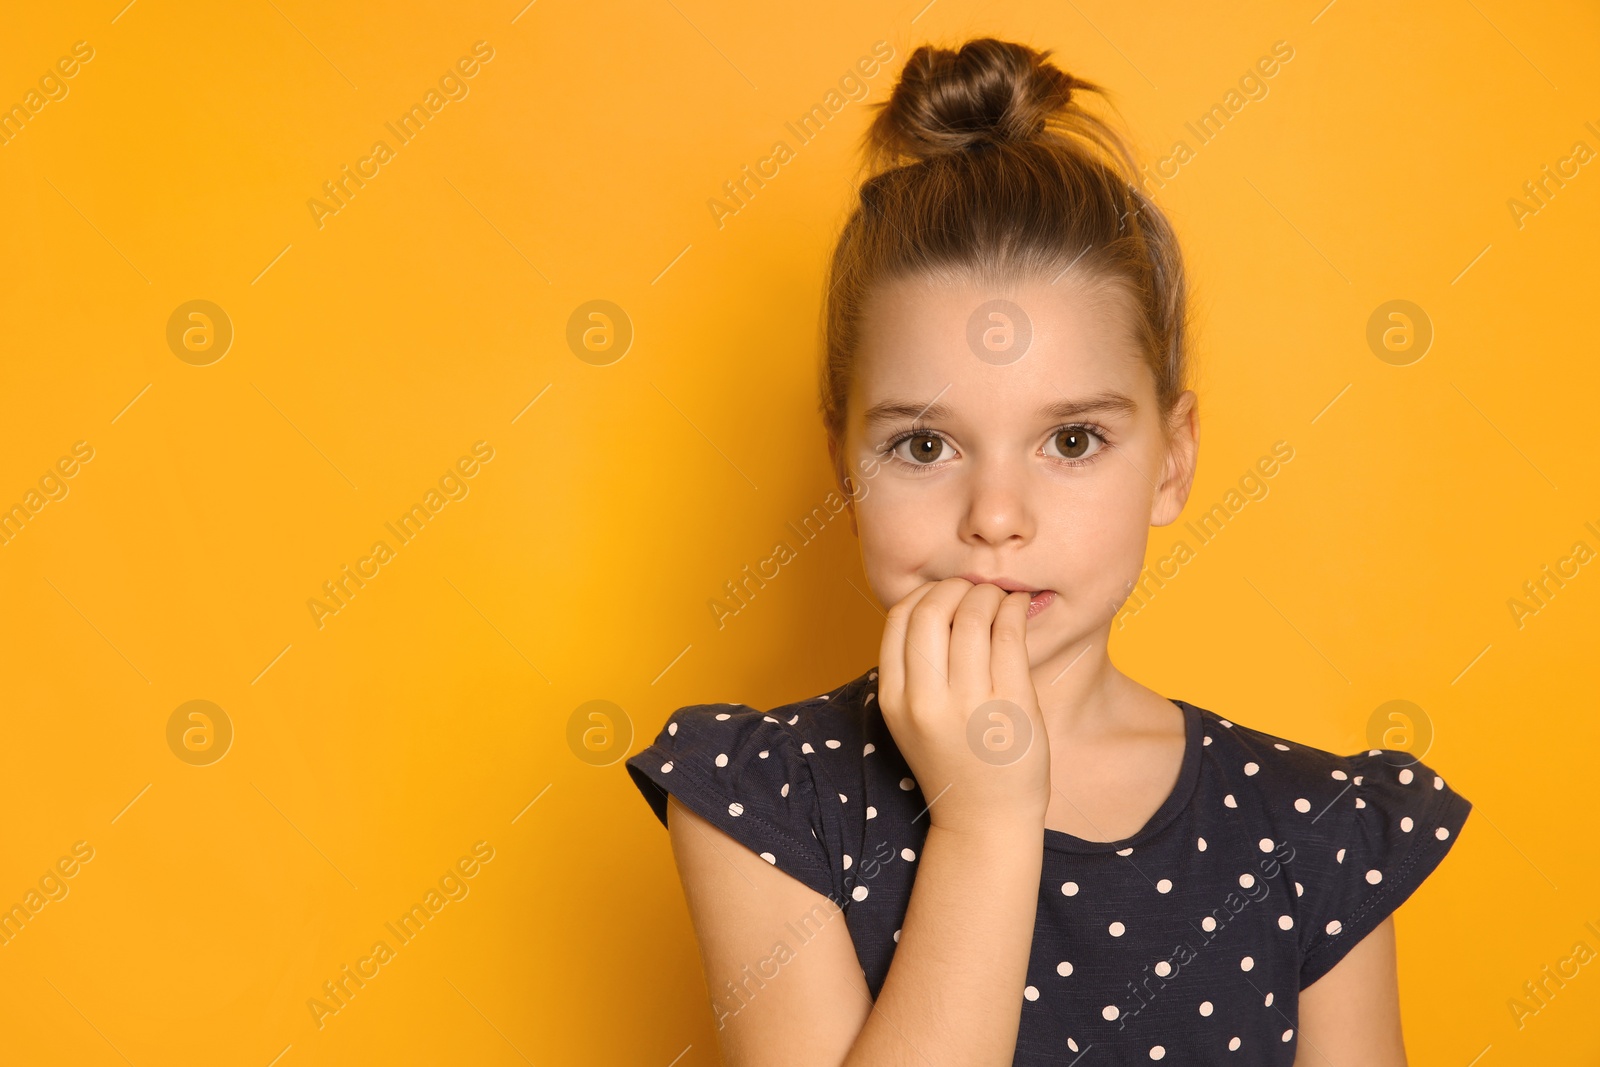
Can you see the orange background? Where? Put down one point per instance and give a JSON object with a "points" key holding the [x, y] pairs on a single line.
{"points": [[373, 752]]}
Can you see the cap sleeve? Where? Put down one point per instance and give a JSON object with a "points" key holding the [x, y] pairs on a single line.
{"points": [[744, 772], [1385, 834]]}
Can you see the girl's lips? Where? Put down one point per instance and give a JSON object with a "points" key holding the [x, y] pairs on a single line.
{"points": [[1037, 600], [1040, 600]]}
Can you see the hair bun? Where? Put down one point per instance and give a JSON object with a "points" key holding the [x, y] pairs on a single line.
{"points": [[988, 92]]}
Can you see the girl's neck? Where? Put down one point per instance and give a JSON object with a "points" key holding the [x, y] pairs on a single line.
{"points": [[1083, 696]]}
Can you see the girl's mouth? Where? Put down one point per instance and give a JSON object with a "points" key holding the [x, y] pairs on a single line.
{"points": [[1038, 599]]}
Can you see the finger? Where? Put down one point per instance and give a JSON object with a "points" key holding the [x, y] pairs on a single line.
{"points": [[1008, 656], [970, 639], [928, 644], [892, 648]]}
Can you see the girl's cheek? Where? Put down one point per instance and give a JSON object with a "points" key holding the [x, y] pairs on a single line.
{"points": [[890, 554], [889, 528]]}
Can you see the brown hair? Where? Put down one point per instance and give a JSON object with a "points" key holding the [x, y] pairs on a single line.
{"points": [[984, 165]]}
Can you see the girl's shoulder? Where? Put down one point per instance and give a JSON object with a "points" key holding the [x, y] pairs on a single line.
{"points": [[1273, 764], [779, 781], [814, 726], [1358, 832]]}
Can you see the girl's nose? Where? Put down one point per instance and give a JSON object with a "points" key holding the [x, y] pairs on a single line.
{"points": [[997, 508]]}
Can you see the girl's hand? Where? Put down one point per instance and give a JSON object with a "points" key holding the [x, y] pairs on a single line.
{"points": [[956, 693]]}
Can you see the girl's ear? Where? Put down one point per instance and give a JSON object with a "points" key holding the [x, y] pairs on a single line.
{"points": [[844, 482], [850, 506], [1177, 476]]}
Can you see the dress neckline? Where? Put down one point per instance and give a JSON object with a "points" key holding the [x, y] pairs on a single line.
{"points": [[1177, 800]]}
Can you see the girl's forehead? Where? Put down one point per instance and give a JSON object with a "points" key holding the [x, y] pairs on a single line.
{"points": [[1020, 341]]}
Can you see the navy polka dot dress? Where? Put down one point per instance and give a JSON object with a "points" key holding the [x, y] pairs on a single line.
{"points": [[1189, 941]]}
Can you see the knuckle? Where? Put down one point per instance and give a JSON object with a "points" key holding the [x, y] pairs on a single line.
{"points": [[969, 608], [967, 619]]}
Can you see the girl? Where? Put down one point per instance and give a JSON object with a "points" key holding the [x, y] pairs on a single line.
{"points": [[1036, 858]]}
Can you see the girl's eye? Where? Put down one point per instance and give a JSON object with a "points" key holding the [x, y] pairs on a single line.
{"points": [[1076, 445], [925, 448], [1074, 441]]}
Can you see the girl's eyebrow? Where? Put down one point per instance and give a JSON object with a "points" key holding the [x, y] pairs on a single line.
{"points": [[1105, 403]]}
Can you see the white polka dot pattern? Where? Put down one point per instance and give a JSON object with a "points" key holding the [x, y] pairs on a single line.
{"points": [[1267, 862], [1365, 856]]}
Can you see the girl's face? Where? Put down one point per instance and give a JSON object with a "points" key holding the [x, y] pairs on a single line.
{"points": [[1039, 457]]}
